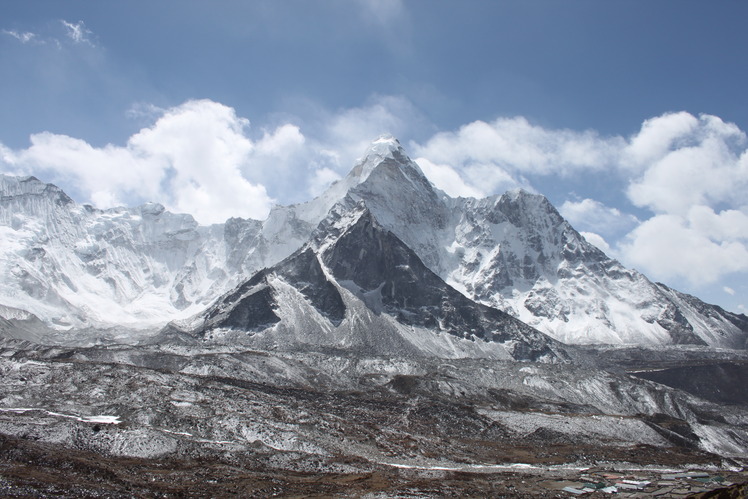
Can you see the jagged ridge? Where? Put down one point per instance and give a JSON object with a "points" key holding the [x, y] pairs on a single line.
{"points": [[77, 266]]}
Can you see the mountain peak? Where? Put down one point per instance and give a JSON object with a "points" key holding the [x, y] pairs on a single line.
{"points": [[384, 149], [385, 144], [14, 189]]}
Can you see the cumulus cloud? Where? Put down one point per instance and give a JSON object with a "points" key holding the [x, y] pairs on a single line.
{"points": [[517, 145], [589, 214], [709, 168], [102, 173], [446, 178], [201, 147], [657, 137], [322, 178], [684, 175], [191, 159], [487, 155], [335, 140], [201, 158], [598, 241], [728, 290], [727, 225], [694, 181], [350, 131], [281, 142], [670, 247]]}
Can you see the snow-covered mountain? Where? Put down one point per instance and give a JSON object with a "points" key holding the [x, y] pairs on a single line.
{"points": [[357, 287], [515, 252], [76, 266]]}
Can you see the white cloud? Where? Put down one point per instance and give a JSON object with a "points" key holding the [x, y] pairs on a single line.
{"points": [[690, 172], [190, 159], [23, 37], [657, 136], [77, 32], [7, 161], [350, 131], [728, 290], [669, 247], [516, 145], [495, 155], [674, 162], [708, 169], [201, 147], [446, 178], [278, 159], [589, 214], [703, 246], [598, 241], [695, 183], [281, 142], [144, 111], [102, 173], [199, 158], [727, 225], [321, 180]]}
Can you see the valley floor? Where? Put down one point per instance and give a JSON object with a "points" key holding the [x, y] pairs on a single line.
{"points": [[179, 421], [32, 469]]}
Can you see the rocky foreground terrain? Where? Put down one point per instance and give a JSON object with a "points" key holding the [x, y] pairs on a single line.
{"points": [[123, 421]]}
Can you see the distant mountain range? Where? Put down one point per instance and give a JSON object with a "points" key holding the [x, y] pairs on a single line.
{"points": [[382, 263]]}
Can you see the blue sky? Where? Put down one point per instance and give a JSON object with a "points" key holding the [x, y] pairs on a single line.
{"points": [[629, 115]]}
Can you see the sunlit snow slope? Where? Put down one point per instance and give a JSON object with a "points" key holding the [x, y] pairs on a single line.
{"points": [[75, 266]]}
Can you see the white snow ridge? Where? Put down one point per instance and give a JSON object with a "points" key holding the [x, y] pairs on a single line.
{"points": [[75, 266]]}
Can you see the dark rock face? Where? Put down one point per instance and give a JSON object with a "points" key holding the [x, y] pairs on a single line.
{"points": [[249, 307], [303, 271], [678, 327], [253, 304], [386, 277], [390, 278], [721, 382], [253, 312]]}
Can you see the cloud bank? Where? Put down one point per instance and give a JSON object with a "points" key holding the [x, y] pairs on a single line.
{"points": [[191, 159], [200, 158], [684, 176]]}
